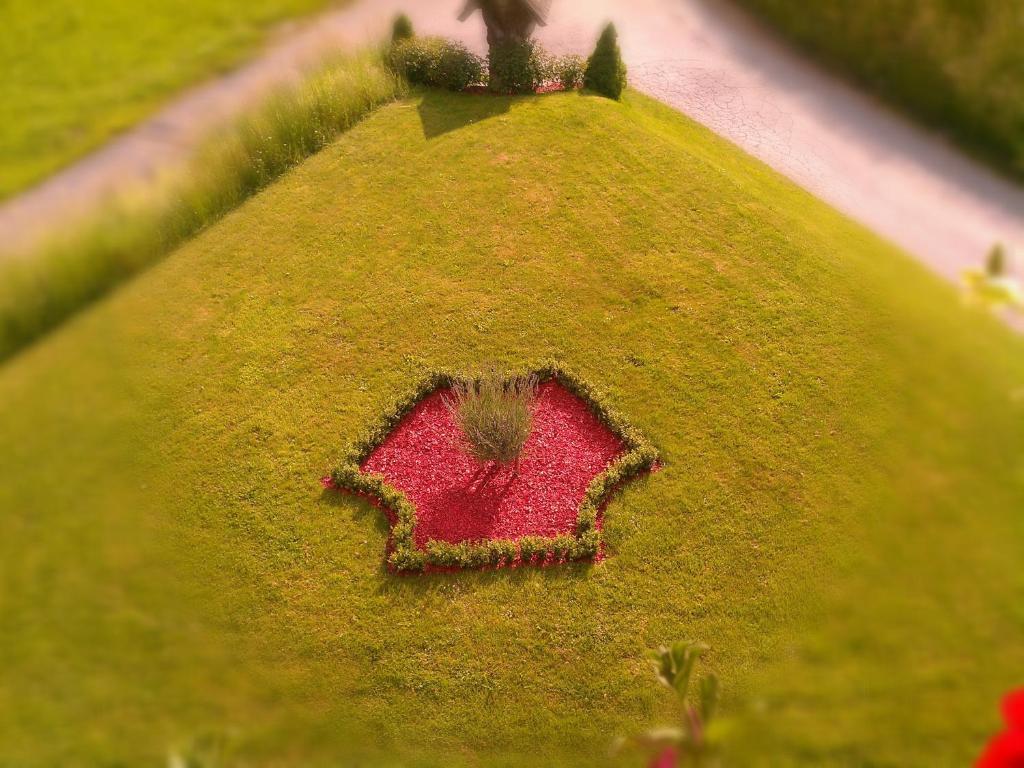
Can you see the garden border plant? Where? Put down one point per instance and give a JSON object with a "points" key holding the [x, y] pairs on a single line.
{"points": [[585, 542]]}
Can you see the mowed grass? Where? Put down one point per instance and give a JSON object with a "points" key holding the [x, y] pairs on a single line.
{"points": [[838, 515], [957, 64], [75, 73]]}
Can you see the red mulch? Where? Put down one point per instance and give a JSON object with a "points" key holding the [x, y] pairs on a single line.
{"points": [[459, 499]]}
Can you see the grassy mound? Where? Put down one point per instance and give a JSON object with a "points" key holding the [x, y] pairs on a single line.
{"points": [[957, 65], [838, 516], [74, 74]]}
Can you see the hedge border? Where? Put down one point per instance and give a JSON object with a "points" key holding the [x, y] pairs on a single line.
{"points": [[585, 543]]}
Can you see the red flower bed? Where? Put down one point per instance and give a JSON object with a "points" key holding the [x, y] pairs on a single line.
{"points": [[1007, 749], [458, 499]]}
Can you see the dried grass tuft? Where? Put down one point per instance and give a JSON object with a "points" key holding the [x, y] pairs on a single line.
{"points": [[495, 413]]}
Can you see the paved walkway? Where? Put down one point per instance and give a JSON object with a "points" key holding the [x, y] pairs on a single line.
{"points": [[703, 57]]}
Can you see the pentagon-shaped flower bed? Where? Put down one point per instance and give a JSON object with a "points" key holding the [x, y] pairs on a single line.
{"points": [[450, 511]]}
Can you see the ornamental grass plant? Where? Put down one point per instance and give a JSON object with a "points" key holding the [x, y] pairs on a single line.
{"points": [[495, 414]]}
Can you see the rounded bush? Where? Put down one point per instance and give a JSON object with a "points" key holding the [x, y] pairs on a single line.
{"points": [[436, 62]]}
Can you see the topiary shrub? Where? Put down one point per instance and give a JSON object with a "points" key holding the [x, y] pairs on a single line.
{"points": [[606, 72], [402, 29], [495, 413], [568, 71], [516, 67], [436, 62]]}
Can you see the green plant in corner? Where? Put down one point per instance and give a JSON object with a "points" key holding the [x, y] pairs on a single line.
{"points": [[692, 743], [401, 29], [606, 72], [207, 750], [994, 286], [495, 414]]}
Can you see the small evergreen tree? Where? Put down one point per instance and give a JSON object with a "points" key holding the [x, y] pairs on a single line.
{"points": [[606, 72], [401, 29], [995, 263]]}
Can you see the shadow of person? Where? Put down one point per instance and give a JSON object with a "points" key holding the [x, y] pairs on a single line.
{"points": [[442, 112]]}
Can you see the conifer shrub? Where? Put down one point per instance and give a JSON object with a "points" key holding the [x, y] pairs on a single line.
{"points": [[995, 262], [402, 29], [606, 72]]}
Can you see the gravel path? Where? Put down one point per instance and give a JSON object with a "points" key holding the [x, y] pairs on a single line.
{"points": [[703, 57]]}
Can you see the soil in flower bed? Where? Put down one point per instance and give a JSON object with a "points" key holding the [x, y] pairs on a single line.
{"points": [[459, 499]]}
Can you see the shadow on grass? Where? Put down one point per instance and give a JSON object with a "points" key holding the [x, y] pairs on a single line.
{"points": [[441, 112], [361, 510], [421, 584]]}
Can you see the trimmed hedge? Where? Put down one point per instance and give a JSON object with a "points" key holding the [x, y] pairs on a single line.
{"points": [[436, 62], [511, 68], [584, 543]]}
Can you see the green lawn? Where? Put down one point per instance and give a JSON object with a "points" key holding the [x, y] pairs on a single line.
{"points": [[957, 64], [838, 516], [74, 73]]}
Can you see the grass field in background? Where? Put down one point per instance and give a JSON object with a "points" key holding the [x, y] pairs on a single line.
{"points": [[838, 515], [957, 64], [75, 73], [40, 289]]}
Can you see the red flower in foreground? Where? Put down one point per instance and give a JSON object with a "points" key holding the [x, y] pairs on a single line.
{"points": [[1007, 749], [667, 758]]}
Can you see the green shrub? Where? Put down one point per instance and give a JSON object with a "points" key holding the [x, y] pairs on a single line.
{"points": [[606, 72], [457, 69], [568, 71], [495, 414], [412, 58], [691, 742], [531, 547], [401, 29], [517, 67], [436, 62], [995, 262]]}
